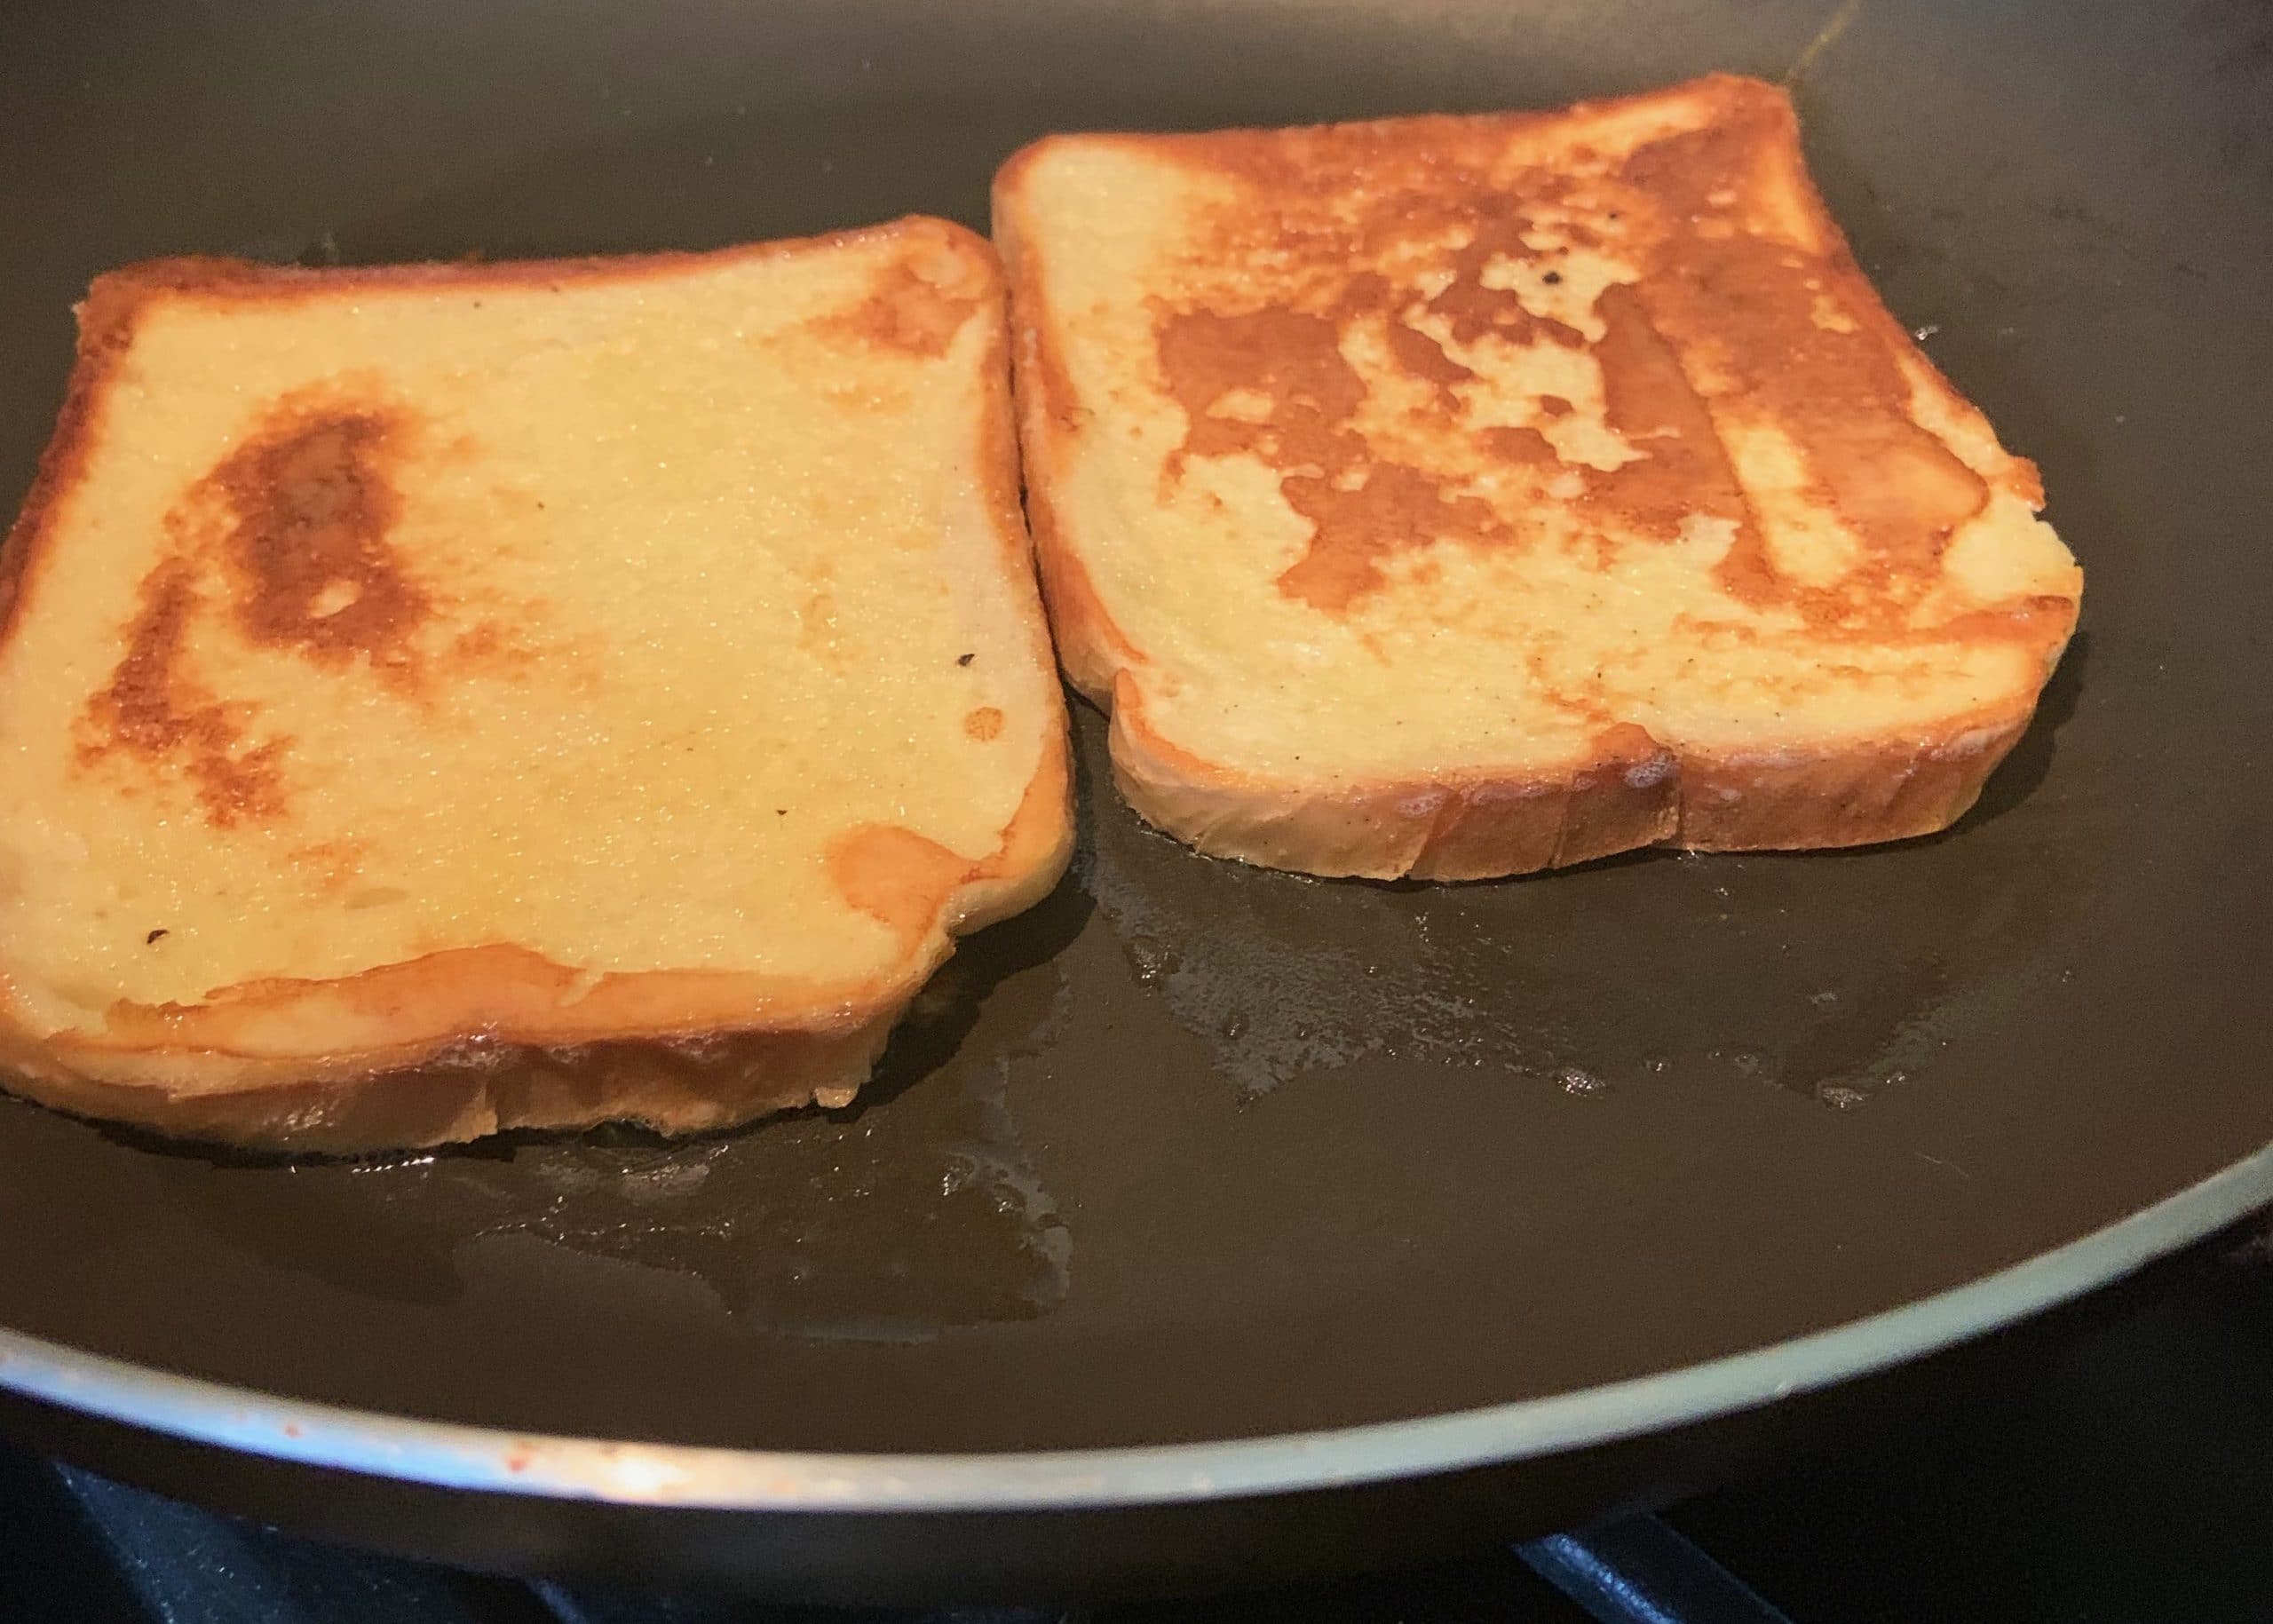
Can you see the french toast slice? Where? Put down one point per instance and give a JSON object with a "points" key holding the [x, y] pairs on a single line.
{"points": [[442, 699], [1460, 497]]}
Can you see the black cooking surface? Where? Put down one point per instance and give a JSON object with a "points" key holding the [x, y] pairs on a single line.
{"points": [[1195, 1152]]}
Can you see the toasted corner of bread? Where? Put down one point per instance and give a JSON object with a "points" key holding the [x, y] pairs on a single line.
{"points": [[451, 698], [1460, 497]]}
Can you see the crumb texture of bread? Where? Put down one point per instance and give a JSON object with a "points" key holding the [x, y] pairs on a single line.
{"points": [[1459, 496], [438, 699]]}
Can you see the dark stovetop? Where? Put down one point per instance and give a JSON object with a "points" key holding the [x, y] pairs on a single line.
{"points": [[2130, 1477]]}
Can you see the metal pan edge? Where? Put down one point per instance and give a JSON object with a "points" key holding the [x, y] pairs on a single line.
{"points": [[489, 1460]]}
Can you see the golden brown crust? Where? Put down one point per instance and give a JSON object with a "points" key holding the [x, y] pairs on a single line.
{"points": [[1458, 826], [471, 1041], [390, 1014], [1482, 824], [1477, 822], [1878, 790], [1039, 841], [1089, 646], [478, 1088], [106, 324]]}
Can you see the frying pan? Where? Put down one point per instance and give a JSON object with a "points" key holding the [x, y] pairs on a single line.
{"points": [[1208, 1223]]}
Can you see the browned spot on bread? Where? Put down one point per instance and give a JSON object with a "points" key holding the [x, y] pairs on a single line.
{"points": [[1357, 531], [488, 646], [1525, 446], [1291, 358], [287, 544], [332, 868], [1682, 468], [295, 519], [1497, 229], [310, 499], [1362, 508], [2045, 622], [1720, 284], [1425, 359], [984, 724], [1581, 706], [918, 303], [151, 710], [1315, 251], [895, 875]]}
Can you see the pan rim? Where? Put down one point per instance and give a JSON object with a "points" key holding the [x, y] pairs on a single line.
{"points": [[460, 1456]]}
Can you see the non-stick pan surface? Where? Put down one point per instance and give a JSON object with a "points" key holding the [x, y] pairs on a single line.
{"points": [[1194, 1153]]}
